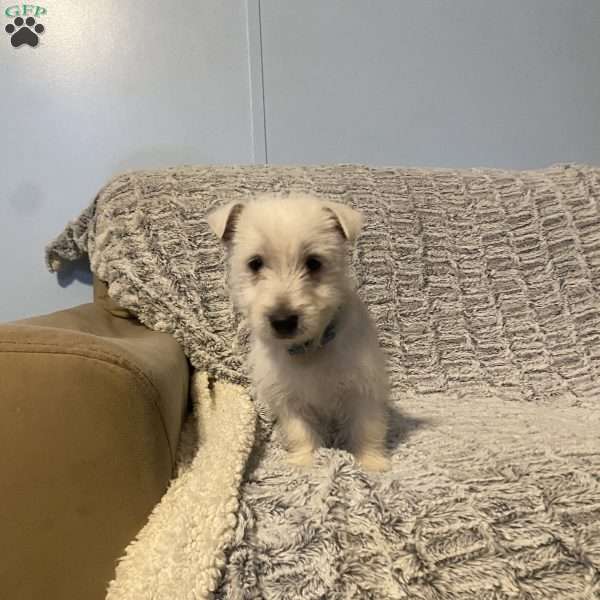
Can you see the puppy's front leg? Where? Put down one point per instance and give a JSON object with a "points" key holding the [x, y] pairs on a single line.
{"points": [[302, 439], [367, 440]]}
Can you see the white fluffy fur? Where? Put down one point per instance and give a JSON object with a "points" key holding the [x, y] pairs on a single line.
{"points": [[336, 393]]}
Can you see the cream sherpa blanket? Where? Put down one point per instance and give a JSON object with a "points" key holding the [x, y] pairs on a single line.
{"points": [[485, 288]]}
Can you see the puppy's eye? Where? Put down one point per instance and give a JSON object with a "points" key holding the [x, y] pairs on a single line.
{"points": [[255, 264], [313, 264]]}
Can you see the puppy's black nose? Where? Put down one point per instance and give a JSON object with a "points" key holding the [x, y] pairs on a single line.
{"points": [[284, 325]]}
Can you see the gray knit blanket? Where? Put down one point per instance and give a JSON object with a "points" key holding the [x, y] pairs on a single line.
{"points": [[484, 286]]}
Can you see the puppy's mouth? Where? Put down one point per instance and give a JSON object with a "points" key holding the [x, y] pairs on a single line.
{"points": [[286, 336]]}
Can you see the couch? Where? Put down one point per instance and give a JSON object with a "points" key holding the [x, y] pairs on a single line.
{"points": [[484, 285]]}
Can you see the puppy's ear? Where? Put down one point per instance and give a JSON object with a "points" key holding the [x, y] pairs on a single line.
{"points": [[222, 220], [348, 220]]}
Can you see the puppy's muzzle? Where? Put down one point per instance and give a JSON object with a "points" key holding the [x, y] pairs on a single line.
{"points": [[284, 325]]}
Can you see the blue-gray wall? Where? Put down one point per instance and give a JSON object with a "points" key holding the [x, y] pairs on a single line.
{"points": [[120, 85], [504, 83]]}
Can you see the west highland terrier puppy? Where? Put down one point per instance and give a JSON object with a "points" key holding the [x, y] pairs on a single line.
{"points": [[314, 352]]}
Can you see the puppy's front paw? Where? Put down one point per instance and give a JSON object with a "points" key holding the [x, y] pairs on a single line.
{"points": [[373, 460], [300, 458]]}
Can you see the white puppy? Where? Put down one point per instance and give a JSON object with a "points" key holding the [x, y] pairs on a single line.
{"points": [[314, 351]]}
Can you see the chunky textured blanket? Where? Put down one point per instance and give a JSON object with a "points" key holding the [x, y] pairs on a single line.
{"points": [[485, 288]]}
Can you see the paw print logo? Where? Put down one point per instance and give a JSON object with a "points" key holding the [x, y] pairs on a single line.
{"points": [[24, 32]]}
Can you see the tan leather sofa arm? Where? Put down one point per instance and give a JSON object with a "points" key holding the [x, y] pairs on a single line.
{"points": [[91, 407]]}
